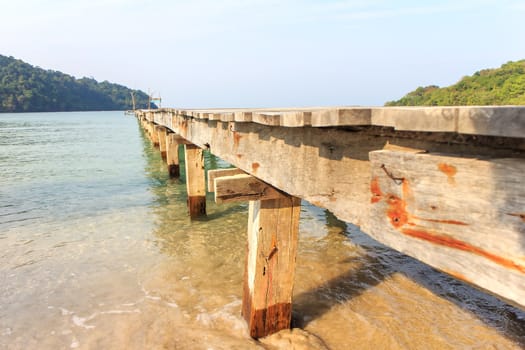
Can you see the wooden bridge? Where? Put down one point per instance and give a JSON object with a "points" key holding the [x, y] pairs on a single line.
{"points": [[441, 184]]}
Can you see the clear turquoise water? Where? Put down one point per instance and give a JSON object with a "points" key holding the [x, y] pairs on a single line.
{"points": [[58, 166], [97, 252]]}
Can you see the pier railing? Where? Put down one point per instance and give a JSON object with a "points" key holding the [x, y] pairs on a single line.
{"points": [[444, 185]]}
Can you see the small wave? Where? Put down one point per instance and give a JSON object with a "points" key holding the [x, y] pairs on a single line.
{"points": [[25, 263], [65, 312], [64, 243], [22, 219], [147, 295], [15, 212], [129, 304], [74, 344], [81, 321], [117, 312]]}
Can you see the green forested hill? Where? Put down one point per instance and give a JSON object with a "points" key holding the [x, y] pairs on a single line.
{"points": [[500, 86], [24, 88]]}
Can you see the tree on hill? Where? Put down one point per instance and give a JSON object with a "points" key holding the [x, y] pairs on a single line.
{"points": [[25, 88], [499, 86]]}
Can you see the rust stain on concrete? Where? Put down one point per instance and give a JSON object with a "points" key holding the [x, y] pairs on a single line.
{"points": [[376, 190], [400, 218], [448, 170], [236, 138]]}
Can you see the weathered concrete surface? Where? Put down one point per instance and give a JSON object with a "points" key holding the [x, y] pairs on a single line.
{"points": [[464, 216], [328, 157], [506, 121]]}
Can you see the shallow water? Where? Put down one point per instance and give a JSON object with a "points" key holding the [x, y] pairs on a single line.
{"points": [[97, 252]]}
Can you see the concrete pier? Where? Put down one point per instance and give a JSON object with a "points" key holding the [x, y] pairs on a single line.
{"points": [[441, 184]]}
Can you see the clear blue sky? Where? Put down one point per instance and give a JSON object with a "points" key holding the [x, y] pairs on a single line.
{"points": [[262, 53]]}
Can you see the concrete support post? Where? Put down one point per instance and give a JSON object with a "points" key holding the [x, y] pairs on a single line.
{"points": [[195, 180], [172, 154], [161, 134], [273, 227], [148, 125], [155, 134]]}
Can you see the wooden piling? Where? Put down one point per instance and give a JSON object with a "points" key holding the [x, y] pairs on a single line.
{"points": [[172, 154], [154, 135], [145, 126], [150, 126], [273, 227], [161, 133], [195, 180]]}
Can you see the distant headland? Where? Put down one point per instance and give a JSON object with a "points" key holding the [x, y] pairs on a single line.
{"points": [[25, 88], [499, 86]]}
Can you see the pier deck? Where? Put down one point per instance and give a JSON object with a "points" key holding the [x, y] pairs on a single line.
{"points": [[441, 184]]}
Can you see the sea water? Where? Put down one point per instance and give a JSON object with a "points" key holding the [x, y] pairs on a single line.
{"points": [[97, 252]]}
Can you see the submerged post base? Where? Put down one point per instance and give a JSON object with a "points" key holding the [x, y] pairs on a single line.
{"points": [[172, 154], [273, 227], [195, 180], [174, 170], [197, 206]]}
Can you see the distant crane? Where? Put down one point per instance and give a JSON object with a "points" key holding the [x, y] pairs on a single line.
{"points": [[132, 112], [133, 99]]}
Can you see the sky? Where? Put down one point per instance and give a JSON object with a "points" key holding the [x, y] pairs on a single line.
{"points": [[266, 53]]}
